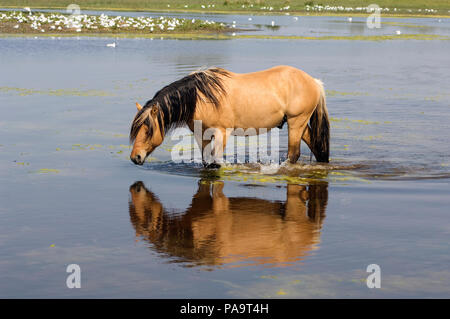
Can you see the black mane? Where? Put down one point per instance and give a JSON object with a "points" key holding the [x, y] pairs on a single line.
{"points": [[177, 101]]}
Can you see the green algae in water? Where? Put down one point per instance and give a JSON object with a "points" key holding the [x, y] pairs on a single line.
{"points": [[281, 292], [86, 146], [351, 38], [221, 36], [104, 133], [22, 163], [364, 122], [340, 93], [239, 173], [405, 25], [47, 170], [57, 92]]}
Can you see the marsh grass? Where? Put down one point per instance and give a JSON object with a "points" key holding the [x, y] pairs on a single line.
{"points": [[254, 6]]}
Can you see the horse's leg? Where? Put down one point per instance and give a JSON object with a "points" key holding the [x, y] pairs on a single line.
{"points": [[216, 150], [307, 136], [201, 144], [307, 139], [296, 128], [296, 198], [220, 202], [220, 142]]}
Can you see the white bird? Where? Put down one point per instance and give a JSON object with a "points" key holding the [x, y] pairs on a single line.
{"points": [[350, 19], [16, 26], [295, 18], [111, 45], [273, 23], [249, 19], [27, 9], [398, 32]]}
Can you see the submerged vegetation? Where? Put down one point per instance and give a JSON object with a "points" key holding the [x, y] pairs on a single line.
{"points": [[54, 92]]}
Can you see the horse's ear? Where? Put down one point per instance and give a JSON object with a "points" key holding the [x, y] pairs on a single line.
{"points": [[138, 106]]}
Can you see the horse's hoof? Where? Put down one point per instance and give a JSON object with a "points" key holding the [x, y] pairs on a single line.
{"points": [[211, 165]]}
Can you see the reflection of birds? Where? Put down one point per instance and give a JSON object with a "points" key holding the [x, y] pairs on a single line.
{"points": [[111, 45], [398, 32], [220, 230]]}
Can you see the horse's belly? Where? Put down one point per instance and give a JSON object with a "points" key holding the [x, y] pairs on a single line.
{"points": [[249, 131], [259, 121], [259, 109]]}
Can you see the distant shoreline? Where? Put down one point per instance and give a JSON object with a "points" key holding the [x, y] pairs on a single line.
{"points": [[96, 24], [223, 36], [399, 14], [56, 23]]}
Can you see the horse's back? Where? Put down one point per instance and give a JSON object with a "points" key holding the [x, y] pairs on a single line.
{"points": [[261, 99], [273, 72], [264, 97], [282, 81]]}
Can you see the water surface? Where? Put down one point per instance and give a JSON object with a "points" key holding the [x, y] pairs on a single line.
{"points": [[70, 194]]}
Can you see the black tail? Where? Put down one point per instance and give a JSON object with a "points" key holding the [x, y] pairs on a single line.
{"points": [[320, 129]]}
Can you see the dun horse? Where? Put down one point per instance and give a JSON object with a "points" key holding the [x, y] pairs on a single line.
{"points": [[221, 99]]}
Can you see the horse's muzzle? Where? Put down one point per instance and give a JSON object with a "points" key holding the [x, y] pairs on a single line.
{"points": [[138, 160]]}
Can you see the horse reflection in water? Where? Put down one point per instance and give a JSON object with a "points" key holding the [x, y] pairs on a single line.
{"points": [[218, 231]]}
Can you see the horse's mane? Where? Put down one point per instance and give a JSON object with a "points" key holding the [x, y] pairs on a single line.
{"points": [[177, 101]]}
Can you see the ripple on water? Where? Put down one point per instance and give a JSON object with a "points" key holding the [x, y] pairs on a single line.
{"points": [[301, 173]]}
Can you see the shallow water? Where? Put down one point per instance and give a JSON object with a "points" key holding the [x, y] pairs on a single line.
{"points": [[69, 193]]}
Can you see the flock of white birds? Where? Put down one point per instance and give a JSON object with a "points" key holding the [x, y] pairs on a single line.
{"points": [[321, 8], [80, 22]]}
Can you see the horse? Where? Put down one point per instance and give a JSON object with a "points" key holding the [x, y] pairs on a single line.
{"points": [[222, 99], [213, 229]]}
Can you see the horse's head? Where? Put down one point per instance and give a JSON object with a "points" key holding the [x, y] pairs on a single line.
{"points": [[145, 133]]}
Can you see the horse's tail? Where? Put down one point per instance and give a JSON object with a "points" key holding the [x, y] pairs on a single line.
{"points": [[320, 128]]}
